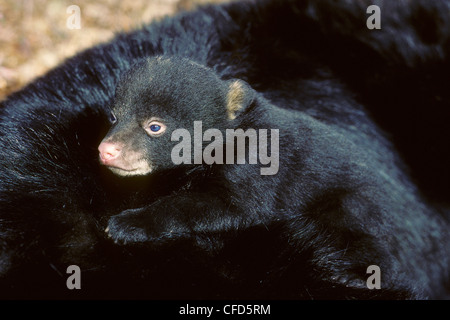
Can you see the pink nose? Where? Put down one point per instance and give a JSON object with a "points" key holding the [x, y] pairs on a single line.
{"points": [[108, 151]]}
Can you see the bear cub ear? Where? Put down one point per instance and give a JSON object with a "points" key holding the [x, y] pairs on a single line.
{"points": [[240, 96]]}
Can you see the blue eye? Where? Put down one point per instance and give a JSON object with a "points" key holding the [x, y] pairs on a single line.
{"points": [[112, 118], [155, 128]]}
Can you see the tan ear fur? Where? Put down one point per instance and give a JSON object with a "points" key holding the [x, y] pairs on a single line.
{"points": [[235, 98]]}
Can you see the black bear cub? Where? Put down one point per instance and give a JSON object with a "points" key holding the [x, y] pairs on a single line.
{"points": [[234, 161], [175, 114]]}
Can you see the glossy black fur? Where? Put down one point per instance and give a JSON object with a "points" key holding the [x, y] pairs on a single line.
{"points": [[347, 196]]}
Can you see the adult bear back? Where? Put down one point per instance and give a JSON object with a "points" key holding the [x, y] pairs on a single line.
{"points": [[342, 198]]}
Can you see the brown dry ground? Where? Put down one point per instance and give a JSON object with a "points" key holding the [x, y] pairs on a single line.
{"points": [[34, 37]]}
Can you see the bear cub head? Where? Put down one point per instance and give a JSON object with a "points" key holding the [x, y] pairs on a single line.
{"points": [[159, 95]]}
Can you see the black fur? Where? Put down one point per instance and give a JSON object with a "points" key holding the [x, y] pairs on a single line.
{"points": [[342, 200]]}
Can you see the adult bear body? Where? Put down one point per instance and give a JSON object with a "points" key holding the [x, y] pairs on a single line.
{"points": [[355, 205]]}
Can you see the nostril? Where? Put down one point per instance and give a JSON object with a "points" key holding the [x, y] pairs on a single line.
{"points": [[109, 151], [107, 155]]}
